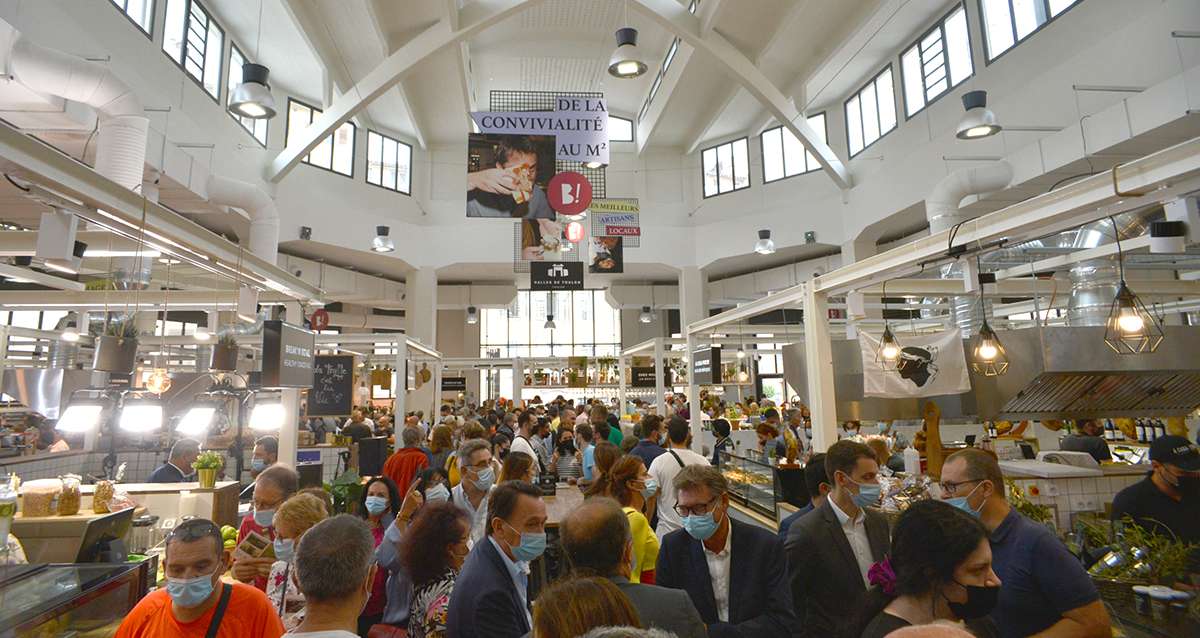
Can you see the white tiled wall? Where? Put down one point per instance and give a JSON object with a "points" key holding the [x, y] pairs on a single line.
{"points": [[45, 466], [1068, 496]]}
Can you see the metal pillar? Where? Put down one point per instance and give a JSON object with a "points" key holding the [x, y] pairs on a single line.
{"points": [[289, 431], [518, 372], [660, 391], [819, 366], [400, 385], [438, 367]]}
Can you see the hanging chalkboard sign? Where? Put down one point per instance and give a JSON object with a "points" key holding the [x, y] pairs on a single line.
{"points": [[332, 392]]}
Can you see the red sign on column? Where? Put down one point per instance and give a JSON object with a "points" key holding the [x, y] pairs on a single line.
{"points": [[570, 193], [319, 319]]}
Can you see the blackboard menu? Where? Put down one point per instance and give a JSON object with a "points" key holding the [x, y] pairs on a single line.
{"points": [[643, 377], [706, 366], [332, 392], [454, 384], [287, 358]]}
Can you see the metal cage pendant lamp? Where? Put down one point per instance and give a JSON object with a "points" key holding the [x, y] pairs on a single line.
{"points": [[887, 355], [1130, 328], [988, 356]]}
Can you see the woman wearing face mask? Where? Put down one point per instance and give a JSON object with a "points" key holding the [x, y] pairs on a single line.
{"points": [[940, 568], [380, 502], [633, 487], [432, 553], [294, 517], [566, 460]]}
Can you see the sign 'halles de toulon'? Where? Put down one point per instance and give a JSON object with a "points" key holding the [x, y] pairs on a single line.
{"points": [[579, 126]]}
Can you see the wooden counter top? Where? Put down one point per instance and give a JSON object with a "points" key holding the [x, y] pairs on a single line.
{"points": [[565, 500], [156, 488]]}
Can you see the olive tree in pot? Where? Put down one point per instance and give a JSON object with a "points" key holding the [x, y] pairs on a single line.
{"points": [[116, 348], [225, 353]]}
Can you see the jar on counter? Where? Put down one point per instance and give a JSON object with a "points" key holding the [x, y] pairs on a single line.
{"points": [[70, 497], [39, 497]]}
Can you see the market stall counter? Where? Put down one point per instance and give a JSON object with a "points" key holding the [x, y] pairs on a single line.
{"points": [[79, 600]]}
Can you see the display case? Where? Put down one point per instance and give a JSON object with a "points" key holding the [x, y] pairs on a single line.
{"points": [[87, 599], [751, 480]]}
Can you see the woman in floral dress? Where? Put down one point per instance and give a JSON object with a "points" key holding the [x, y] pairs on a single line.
{"points": [[433, 550]]}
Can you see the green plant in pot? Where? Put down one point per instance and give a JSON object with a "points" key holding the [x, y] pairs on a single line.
{"points": [[116, 347], [207, 464], [225, 353]]}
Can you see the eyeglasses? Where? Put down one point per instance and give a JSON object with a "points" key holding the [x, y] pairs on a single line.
{"points": [[698, 510], [950, 487]]}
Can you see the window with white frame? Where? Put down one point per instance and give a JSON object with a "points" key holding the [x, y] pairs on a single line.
{"points": [[938, 61], [662, 71], [255, 127], [1007, 22], [141, 12], [585, 325], [784, 156], [28, 347], [389, 163], [871, 112], [620, 129], [194, 41], [334, 153], [725, 168]]}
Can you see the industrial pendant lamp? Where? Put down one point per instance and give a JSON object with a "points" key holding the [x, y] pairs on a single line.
{"points": [[252, 97], [472, 315], [382, 242], [764, 245], [647, 314], [626, 63], [549, 321], [979, 120], [988, 356], [1130, 328], [888, 353], [70, 334]]}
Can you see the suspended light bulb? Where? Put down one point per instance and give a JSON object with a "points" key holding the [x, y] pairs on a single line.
{"points": [[382, 242], [70, 334], [988, 355], [626, 63], [252, 98], [159, 381], [741, 353], [472, 315], [764, 245], [1130, 328], [593, 164], [646, 316], [202, 334], [888, 355], [742, 375], [979, 120]]}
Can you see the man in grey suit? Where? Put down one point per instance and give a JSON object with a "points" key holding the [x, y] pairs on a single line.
{"points": [[830, 550], [597, 542]]}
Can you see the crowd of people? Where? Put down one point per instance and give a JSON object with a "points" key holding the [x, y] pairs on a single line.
{"points": [[444, 542]]}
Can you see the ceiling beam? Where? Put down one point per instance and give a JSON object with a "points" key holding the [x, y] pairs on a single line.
{"points": [[647, 125], [675, 18], [477, 17], [386, 48], [37, 277], [314, 29], [708, 15], [715, 110]]}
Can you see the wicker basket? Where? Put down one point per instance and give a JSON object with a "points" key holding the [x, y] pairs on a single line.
{"points": [[1117, 591]]}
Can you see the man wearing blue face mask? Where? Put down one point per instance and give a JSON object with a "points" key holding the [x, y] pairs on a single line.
{"points": [[195, 603], [272, 487], [731, 570], [478, 476], [491, 593], [830, 550]]}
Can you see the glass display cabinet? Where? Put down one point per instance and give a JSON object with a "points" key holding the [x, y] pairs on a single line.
{"points": [[751, 480], [87, 599]]}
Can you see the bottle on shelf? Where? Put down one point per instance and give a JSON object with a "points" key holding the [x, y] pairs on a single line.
{"points": [[1141, 430]]}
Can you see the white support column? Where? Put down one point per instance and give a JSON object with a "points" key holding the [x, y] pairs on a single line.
{"points": [[400, 385], [289, 432], [693, 295], [621, 384], [818, 361], [518, 372], [421, 309], [694, 407], [438, 370], [660, 391]]}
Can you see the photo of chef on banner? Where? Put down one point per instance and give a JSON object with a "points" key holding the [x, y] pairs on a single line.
{"points": [[542, 236], [507, 176], [608, 255]]}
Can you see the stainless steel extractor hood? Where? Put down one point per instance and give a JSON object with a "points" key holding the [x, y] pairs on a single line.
{"points": [[1054, 373]]}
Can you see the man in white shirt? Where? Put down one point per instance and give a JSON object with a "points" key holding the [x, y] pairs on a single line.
{"points": [[478, 477], [335, 568], [521, 441], [665, 467]]}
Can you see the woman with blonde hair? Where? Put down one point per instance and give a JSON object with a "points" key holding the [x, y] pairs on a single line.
{"points": [[575, 606], [293, 517]]}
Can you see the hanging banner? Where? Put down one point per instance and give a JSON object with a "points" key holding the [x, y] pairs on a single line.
{"points": [[287, 356], [706, 365], [556, 275], [608, 255], [579, 126], [507, 175], [931, 365], [616, 218]]}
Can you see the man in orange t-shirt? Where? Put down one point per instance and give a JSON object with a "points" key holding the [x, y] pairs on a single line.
{"points": [[402, 466], [195, 599]]}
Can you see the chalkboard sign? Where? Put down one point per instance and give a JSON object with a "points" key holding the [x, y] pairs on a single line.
{"points": [[332, 392], [454, 384], [287, 356], [706, 366], [643, 377]]}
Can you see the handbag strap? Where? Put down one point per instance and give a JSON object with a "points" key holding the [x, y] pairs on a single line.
{"points": [[215, 623]]}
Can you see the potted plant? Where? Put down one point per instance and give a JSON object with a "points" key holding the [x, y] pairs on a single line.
{"points": [[207, 465], [225, 353], [116, 348]]}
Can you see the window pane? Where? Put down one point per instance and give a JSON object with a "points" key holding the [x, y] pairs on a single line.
{"points": [[997, 23], [886, 91], [389, 163], [709, 167], [212, 60], [322, 154], [1058, 6], [374, 158], [870, 114], [793, 153], [724, 168], [343, 149], [620, 129], [854, 125], [235, 71], [958, 47], [914, 87], [772, 151], [818, 123], [173, 31], [404, 169], [670, 55], [741, 163], [1027, 15]]}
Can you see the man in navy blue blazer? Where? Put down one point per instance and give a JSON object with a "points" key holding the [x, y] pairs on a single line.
{"points": [[735, 573], [491, 594]]}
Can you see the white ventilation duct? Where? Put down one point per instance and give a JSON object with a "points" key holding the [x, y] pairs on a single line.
{"points": [[942, 209], [122, 127], [264, 217]]}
